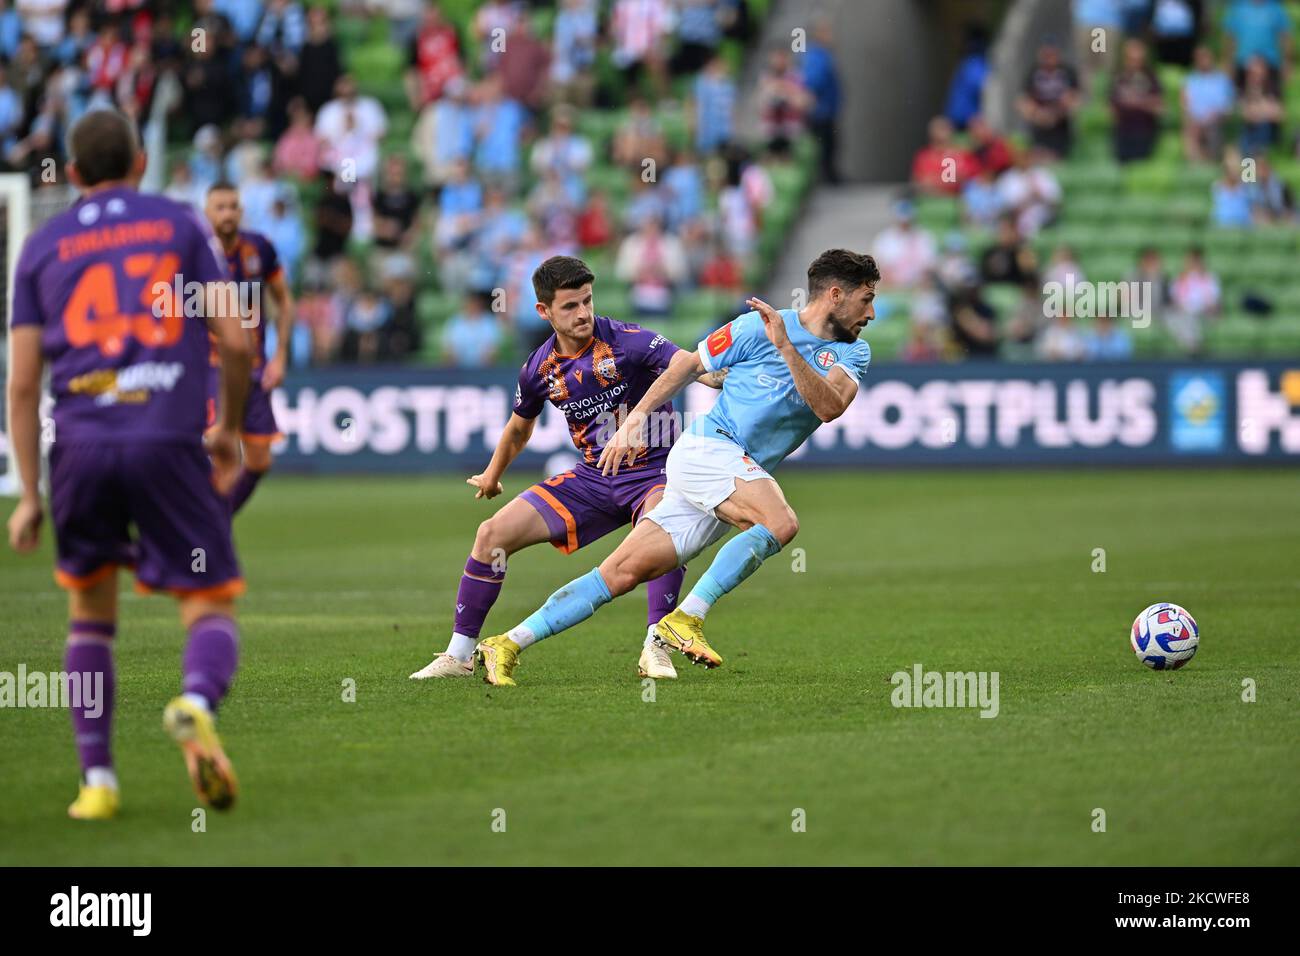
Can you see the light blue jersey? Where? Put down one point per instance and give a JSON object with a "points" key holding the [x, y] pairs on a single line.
{"points": [[760, 409]]}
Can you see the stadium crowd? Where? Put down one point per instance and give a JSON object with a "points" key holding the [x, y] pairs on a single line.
{"points": [[495, 175], [1008, 191]]}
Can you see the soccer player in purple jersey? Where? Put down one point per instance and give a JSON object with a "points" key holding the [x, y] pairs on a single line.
{"points": [[128, 372], [589, 369], [254, 266]]}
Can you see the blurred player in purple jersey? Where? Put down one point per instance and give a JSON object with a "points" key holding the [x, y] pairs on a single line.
{"points": [[590, 369], [94, 297], [253, 264]]}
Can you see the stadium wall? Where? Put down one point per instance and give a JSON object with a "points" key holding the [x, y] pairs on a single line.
{"points": [[406, 420]]}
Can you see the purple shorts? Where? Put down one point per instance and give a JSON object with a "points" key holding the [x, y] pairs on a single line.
{"points": [[99, 491], [259, 420], [582, 505]]}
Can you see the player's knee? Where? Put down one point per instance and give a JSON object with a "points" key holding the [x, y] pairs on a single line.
{"points": [[619, 575], [784, 526], [492, 539]]}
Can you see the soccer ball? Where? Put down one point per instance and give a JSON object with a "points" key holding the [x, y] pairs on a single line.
{"points": [[1165, 637]]}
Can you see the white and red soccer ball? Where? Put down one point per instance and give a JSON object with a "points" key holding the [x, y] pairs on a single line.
{"points": [[1165, 637]]}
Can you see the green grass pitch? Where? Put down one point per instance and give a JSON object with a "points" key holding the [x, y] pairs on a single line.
{"points": [[975, 571]]}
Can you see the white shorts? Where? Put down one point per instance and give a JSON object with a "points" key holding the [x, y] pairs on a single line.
{"points": [[701, 474]]}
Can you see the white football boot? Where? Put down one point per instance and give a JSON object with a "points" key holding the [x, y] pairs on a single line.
{"points": [[444, 665], [656, 662]]}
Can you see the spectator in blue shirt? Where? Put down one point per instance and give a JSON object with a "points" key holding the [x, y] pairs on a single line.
{"points": [[244, 16], [823, 82], [967, 89], [684, 183], [1257, 28], [11, 30], [1175, 26], [1107, 342], [1207, 103], [500, 124], [715, 106], [1231, 201], [472, 338], [699, 31], [283, 28]]}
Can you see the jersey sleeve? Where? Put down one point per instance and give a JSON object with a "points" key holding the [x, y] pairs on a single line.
{"points": [[647, 348], [732, 343], [855, 360], [530, 395], [27, 304]]}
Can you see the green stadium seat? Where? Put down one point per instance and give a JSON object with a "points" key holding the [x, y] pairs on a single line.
{"points": [[1282, 336], [1153, 342], [1233, 335]]}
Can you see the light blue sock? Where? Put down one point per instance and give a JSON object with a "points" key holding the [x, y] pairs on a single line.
{"points": [[736, 560], [570, 605]]}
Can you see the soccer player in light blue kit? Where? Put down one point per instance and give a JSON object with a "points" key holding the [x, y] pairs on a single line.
{"points": [[788, 372]]}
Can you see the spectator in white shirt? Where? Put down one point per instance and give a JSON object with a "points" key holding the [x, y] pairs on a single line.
{"points": [[350, 127], [1196, 296], [905, 253]]}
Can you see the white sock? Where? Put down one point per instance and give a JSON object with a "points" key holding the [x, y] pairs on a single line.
{"points": [[695, 606], [461, 647], [649, 636], [522, 636], [101, 777], [197, 699]]}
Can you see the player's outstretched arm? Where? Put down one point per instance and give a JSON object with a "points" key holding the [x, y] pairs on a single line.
{"points": [[684, 368], [828, 397], [514, 437], [24, 401]]}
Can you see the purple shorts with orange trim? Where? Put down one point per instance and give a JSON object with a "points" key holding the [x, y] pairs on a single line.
{"points": [[259, 419], [582, 505], [101, 492]]}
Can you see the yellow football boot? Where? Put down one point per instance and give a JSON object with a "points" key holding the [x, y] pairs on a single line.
{"points": [[685, 633], [95, 803], [194, 730], [499, 656]]}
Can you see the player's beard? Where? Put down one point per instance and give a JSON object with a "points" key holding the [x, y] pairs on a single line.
{"points": [[842, 325]]}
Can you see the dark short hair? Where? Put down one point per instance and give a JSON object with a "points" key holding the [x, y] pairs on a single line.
{"points": [[841, 267], [560, 272], [222, 186], [103, 144]]}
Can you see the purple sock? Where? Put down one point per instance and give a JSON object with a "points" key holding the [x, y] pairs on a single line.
{"points": [[243, 489], [90, 654], [661, 595], [210, 658], [479, 587]]}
